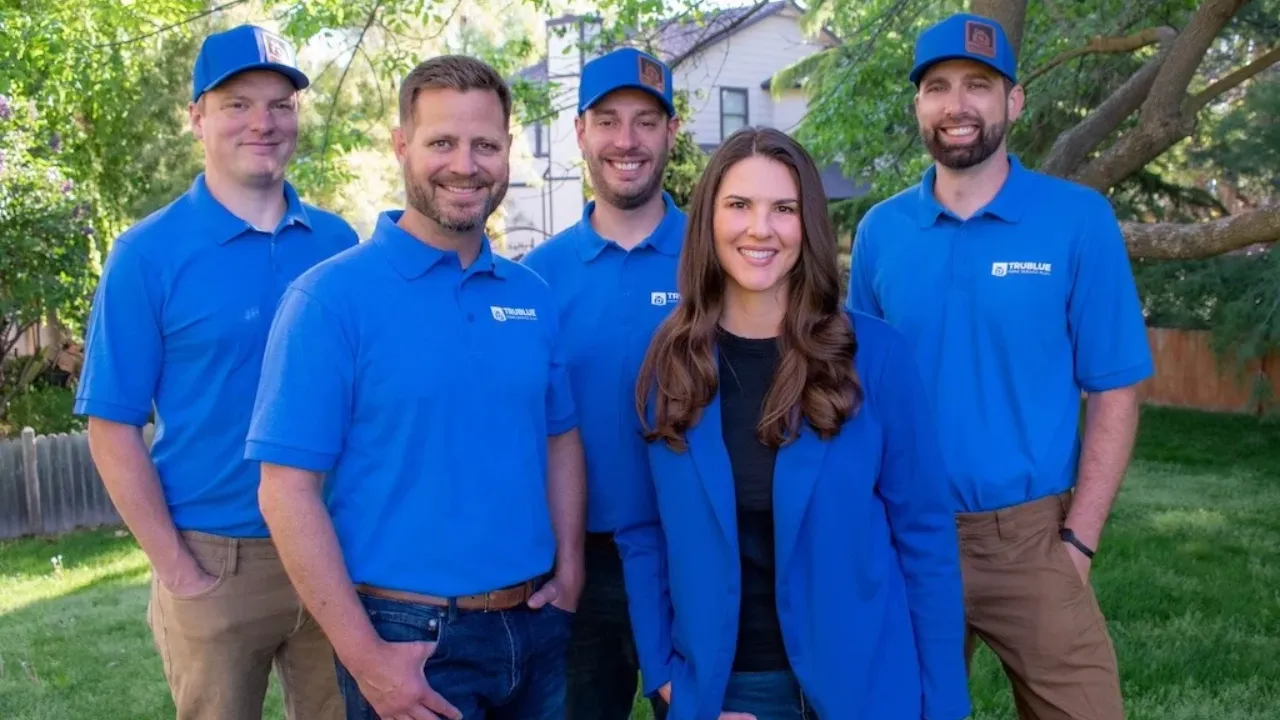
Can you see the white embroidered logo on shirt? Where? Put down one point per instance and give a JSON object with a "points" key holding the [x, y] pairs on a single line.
{"points": [[1001, 269], [503, 314], [664, 298]]}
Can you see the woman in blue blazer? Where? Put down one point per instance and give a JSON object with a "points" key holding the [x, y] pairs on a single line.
{"points": [[789, 545]]}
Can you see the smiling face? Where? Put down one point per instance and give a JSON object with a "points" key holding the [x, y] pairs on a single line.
{"points": [[625, 140], [757, 225], [964, 112], [455, 157], [249, 127]]}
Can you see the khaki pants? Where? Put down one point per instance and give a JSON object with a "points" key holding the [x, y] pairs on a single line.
{"points": [[218, 647], [1026, 601]]}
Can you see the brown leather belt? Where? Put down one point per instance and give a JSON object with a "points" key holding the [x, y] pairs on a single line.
{"points": [[503, 599]]}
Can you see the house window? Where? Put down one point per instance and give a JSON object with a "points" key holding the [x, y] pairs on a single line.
{"points": [[541, 139], [733, 110]]}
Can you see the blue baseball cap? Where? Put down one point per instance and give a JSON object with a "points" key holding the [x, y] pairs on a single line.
{"points": [[625, 68], [967, 37], [247, 47]]}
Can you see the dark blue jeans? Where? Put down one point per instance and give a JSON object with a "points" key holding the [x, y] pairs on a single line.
{"points": [[498, 665], [603, 669], [768, 696]]}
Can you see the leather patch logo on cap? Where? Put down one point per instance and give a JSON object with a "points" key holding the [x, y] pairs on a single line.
{"points": [[277, 49], [979, 39], [651, 75]]}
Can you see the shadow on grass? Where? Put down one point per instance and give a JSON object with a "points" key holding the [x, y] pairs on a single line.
{"points": [[1209, 441]]}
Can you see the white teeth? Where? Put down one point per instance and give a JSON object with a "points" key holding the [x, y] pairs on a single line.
{"points": [[961, 131], [627, 166], [460, 190], [759, 254]]}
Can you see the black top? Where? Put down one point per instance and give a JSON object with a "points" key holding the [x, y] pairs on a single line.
{"points": [[746, 371]]}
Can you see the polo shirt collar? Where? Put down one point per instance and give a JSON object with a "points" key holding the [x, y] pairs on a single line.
{"points": [[413, 258], [1008, 204], [225, 226], [665, 238]]}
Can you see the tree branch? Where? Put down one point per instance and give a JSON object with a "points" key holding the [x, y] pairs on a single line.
{"points": [[172, 26], [1185, 57], [1179, 241], [337, 91], [1162, 121], [1196, 102], [1072, 147], [1101, 45]]}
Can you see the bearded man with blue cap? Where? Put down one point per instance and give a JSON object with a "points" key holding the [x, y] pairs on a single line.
{"points": [[177, 335], [1016, 290]]}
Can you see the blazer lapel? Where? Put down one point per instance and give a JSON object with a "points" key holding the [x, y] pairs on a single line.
{"points": [[711, 461], [794, 477]]}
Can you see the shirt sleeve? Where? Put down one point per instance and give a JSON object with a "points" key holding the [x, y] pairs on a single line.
{"points": [[303, 407], [1104, 313], [917, 499], [562, 413], [862, 295], [124, 343]]}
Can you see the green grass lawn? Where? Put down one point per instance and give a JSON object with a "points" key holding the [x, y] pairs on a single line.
{"points": [[1189, 576]]}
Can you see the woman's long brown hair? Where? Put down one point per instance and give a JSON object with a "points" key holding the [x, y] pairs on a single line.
{"points": [[815, 380]]}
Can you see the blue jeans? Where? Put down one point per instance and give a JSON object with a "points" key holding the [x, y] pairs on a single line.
{"points": [[603, 668], [497, 665], [768, 696]]}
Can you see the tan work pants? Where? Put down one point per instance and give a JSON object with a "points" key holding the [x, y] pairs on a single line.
{"points": [[219, 646], [1026, 601]]}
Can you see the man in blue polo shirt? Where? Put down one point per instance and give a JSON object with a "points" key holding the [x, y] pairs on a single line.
{"points": [[614, 279], [178, 327], [421, 470], [1016, 289]]}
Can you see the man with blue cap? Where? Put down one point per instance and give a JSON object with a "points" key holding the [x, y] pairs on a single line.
{"points": [[614, 278], [177, 333], [1016, 290]]}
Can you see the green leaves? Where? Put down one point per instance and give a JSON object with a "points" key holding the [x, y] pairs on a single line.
{"points": [[686, 162], [47, 247]]}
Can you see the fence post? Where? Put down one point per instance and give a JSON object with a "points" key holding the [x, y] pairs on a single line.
{"points": [[35, 518]]}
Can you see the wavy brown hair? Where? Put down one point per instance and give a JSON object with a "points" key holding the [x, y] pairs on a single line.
{"points": [[815, 380]]}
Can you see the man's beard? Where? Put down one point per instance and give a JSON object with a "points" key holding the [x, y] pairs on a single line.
{"points": [[634, 196], [960, 158], [422, 197]]}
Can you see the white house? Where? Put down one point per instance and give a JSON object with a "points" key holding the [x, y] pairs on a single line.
{"points": [[724, 62]]}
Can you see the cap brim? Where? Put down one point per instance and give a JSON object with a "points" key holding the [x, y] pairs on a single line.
{"points": [[919, 70], [297, 77], [669, 107]]}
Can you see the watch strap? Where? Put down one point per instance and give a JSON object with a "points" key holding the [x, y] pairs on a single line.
{"points": [[1070, 537]]}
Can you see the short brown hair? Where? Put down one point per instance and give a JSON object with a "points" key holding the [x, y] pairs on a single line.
{"points": [[452, 72]]}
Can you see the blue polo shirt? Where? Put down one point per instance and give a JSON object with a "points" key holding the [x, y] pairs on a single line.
{"points": [[426, 392], [178, 325], [610, 302], [1012, 312]]}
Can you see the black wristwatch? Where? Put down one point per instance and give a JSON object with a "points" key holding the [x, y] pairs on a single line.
{"points": [[1070, 537]]}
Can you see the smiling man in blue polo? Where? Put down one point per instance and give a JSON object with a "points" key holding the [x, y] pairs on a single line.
{"points": [[614, 278], [1017, 292], [178, 328], [421, 470]]}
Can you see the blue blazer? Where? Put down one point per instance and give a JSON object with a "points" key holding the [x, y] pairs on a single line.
{"points": [[867, 559]]}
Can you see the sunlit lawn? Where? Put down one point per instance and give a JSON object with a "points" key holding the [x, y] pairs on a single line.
{"points": [[1189, 577]]}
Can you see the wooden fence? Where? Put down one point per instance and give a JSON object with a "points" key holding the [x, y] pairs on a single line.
{"points": [[48, 483], [1190, 375]]}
